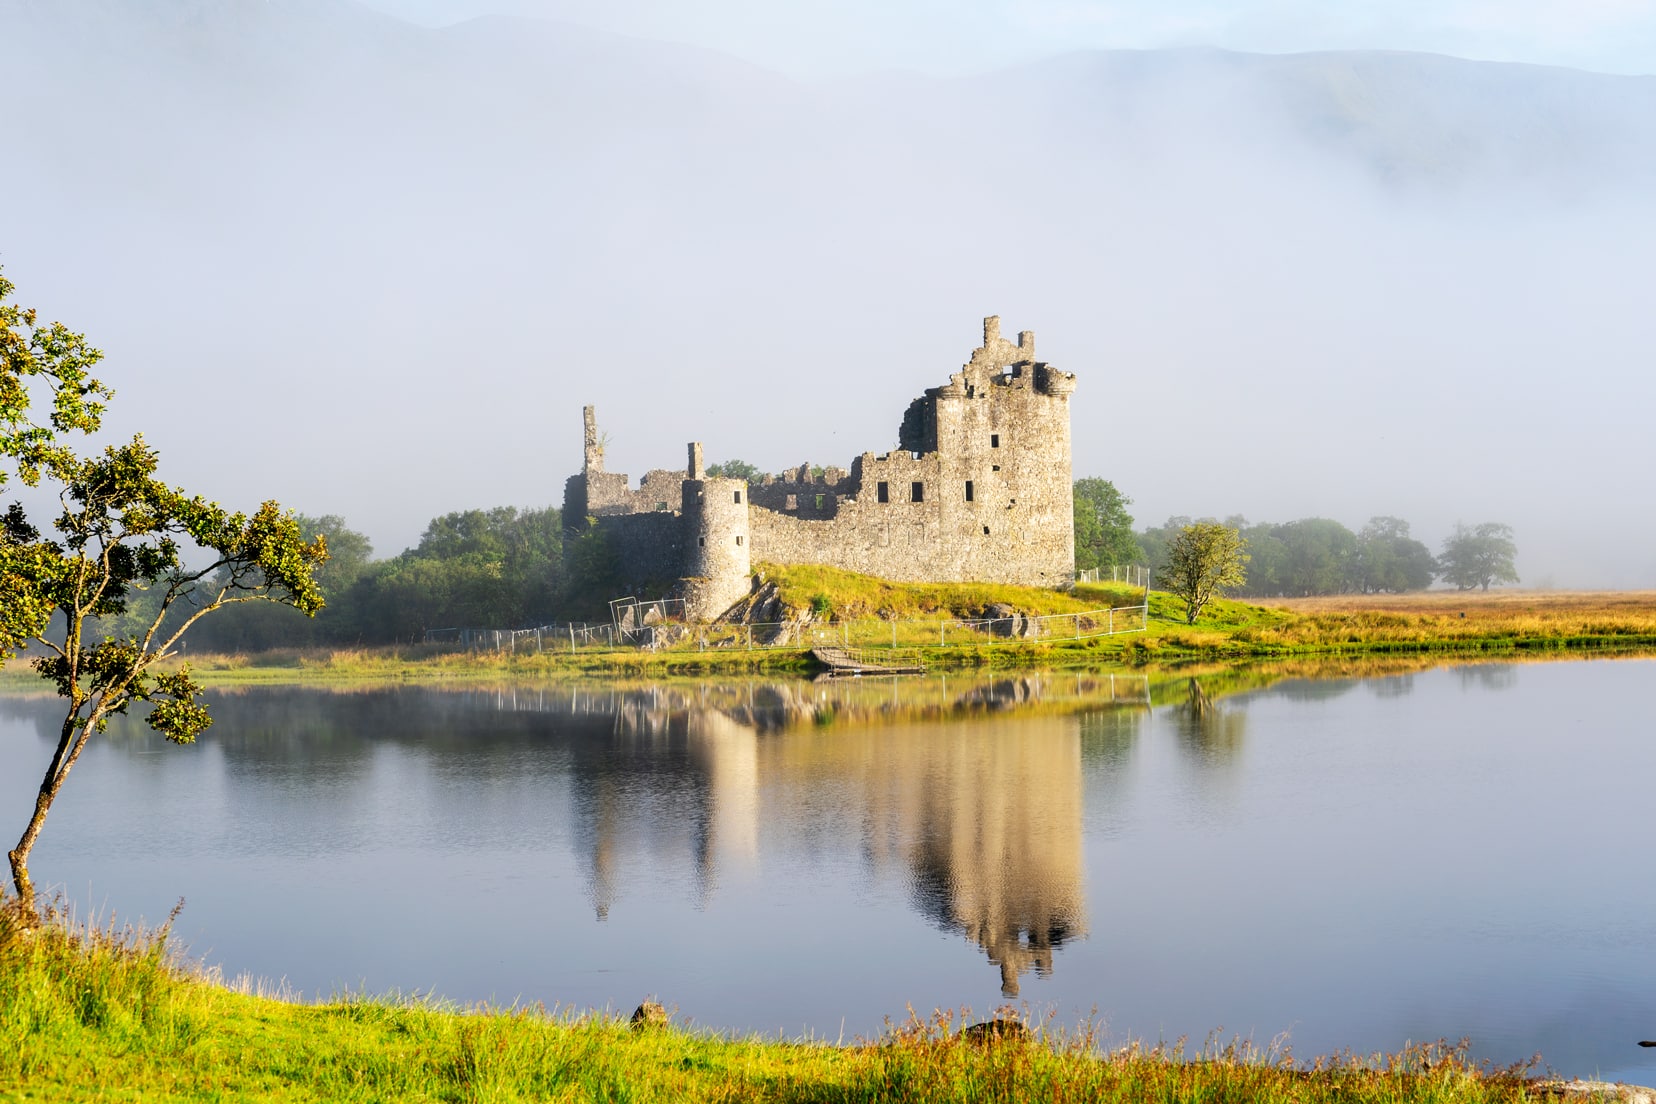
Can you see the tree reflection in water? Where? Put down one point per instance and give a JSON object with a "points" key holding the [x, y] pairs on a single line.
{"points": [[1213, 733]]}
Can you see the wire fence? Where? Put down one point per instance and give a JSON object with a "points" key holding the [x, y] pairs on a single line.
{"points": [[655, 633], [1136, 575]]}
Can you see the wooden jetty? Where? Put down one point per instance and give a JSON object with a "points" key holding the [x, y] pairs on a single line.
{"points": [[849, 662]]}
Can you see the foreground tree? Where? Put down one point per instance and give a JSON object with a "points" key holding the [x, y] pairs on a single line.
{"points": [[1478, 556], [1103, 527], [1202, 559], [119, 544]]}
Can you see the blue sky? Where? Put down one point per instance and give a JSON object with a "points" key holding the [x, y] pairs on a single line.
{"points": [[840, 37]]}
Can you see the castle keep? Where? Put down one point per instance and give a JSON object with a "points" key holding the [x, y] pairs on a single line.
{"points": [[978, 490]]}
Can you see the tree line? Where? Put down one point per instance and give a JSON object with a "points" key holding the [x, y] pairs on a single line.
{"points": [[1301, 558]]}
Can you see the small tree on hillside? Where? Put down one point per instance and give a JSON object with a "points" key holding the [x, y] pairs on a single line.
{"points": [[1478, 556], [1202, 559], [121, 535]]}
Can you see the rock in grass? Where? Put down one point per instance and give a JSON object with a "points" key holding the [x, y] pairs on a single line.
{"points": [[649, 1014], [1000, 1030]]}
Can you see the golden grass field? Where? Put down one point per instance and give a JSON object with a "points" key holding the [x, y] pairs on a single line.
{"points": [[1637, 605], [1458, 614]]}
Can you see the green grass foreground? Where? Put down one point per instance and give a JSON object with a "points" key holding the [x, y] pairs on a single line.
{"points": [[106, 1014]]}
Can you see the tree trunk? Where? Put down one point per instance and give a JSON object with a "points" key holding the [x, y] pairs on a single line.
{"points": [[70, 743]]}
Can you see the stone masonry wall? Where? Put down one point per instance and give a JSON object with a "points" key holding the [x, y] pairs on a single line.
{"points": [[981, 491]]}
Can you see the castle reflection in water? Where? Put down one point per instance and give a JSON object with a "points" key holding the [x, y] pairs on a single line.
{"points": [[982, 824], [964, 792]]}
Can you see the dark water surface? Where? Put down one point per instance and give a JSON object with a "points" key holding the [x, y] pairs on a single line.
{"points": [[1357, 863]]}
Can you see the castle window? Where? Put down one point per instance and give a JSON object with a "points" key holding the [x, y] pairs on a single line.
{"points": [[883, 491], [738, 495], [738, 540], [995, 468], [821, 500], [968, 490], [994, 440], [701, 542], [792, 503], [917, 491], [986, 530]]}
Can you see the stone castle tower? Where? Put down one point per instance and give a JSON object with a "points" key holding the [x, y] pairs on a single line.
{"points": [[979, 490]]}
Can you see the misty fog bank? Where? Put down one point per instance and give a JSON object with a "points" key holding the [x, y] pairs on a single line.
{"points": [[375, 270]]}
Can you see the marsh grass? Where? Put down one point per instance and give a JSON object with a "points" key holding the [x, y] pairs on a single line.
{"points": [[92, 1011]]}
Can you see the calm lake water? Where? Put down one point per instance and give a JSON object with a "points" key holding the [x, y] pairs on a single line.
{"points": [[1356, 863]]}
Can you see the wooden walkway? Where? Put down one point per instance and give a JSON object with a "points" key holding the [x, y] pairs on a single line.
{"points": [[858, 661]]}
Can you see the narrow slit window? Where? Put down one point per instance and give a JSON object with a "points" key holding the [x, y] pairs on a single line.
{"points": [[917, 491], [986, 530], [994, 440], [738, 540], [968, 490], [738, 495], [701, 542], [883, 491], [821, 501]]}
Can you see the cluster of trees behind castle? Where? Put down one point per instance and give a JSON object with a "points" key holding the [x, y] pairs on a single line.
{"points": [[509, 568]]}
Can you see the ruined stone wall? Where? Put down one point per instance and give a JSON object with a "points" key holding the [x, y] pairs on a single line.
{"points": [[801, 495], [990, 500], [981, 491], [659, 491], [649, 549]]}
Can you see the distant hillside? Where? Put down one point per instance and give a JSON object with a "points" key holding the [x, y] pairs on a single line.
{"points": [[177, 65]]}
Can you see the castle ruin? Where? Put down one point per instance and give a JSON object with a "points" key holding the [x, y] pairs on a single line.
{"points": [[978, 490]]}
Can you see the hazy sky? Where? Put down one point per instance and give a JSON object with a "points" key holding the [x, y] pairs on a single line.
{"points": [[828, 37], [371, 269]]}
